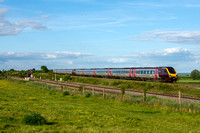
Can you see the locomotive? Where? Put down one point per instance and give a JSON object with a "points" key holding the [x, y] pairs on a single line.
{"points": [[164, 74]]}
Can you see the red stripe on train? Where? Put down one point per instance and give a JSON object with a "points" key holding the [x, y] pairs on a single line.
{"points": [[134, 72], [156, 76]]}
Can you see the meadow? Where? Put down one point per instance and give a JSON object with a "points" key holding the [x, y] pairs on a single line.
{"points": [[78, 113]]}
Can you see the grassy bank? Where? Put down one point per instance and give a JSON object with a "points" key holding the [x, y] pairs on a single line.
{"points": [[165, 88], [80, 114], [157, 87]]}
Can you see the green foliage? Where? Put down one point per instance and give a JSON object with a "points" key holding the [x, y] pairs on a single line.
{"points": [[50, 74], [33, 118], [66, 77], [44, 69], [88, 94], [148, 86], [144, 94], [66, 93], [80, 88], [195, 74], [122, 88]]}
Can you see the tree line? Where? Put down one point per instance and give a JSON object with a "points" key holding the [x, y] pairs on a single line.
{"points": [[195, 74]]}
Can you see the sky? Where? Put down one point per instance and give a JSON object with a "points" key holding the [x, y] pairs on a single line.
{"points": [[67, 34]]}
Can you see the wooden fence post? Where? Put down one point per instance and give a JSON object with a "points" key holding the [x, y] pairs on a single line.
{"points": [[83, 90], [179, 97], [103, 93], [93, 91]]}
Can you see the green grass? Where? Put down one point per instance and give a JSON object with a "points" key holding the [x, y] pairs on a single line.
{"points": [[189, 81], [74, 113]]}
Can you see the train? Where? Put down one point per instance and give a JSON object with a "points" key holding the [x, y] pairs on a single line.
{"points": [[164, 74]]}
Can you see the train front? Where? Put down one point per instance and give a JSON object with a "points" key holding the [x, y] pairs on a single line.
{"points": [[172, 73]]}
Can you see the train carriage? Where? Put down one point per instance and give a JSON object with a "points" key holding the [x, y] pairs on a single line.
{"points": [[167, 74]]}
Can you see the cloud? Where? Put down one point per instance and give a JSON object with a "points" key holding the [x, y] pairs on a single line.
{"points": [[5, 56], [184, 60], [1, 0], [179, 37], [14, 28], [117, 60]]}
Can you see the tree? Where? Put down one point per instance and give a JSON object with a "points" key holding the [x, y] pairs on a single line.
{"points": [[195, 74], [66, 77], [50, 74], [44, 69]]}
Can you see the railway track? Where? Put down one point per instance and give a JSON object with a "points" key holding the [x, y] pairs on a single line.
{"points": [[118, 91], [197, 86]]}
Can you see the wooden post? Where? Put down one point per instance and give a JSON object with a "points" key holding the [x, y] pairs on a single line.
{"points": [[179, 97], [103, 93], [55, 77], [93, 91], [61, 88], [83, 90]]}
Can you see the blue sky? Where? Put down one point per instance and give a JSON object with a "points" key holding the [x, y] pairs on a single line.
{"points": [[99, 33]]}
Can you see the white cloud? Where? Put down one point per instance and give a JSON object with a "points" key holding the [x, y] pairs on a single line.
{"points": [[118, 60], [175, 50], [72, 53], [5, 56], [14, 28], [70, 62], [1, 0], [50, 56], [180, 37]]}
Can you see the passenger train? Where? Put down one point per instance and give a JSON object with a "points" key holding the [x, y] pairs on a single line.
{"points": [[165, 74]]}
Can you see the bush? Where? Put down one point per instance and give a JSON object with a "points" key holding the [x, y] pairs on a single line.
{"points": [[33, 118], [80, 88], [148, 86], [66, 77], [122, 88], [88, 94], [195, 74], [66, 93]]}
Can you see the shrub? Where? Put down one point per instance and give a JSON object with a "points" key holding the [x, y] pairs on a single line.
{"points": [[66, 93], [195, 74], [88, 94], [80, 88], [66, 77], [148, 86], [122, 88], [33, 118]]}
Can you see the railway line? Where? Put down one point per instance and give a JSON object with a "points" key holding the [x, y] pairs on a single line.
{"points": [[197, 86], [117, 90]]}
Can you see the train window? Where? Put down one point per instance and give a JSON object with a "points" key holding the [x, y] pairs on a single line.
{"points": [[142, 72], [153, 72], [147, 72]]}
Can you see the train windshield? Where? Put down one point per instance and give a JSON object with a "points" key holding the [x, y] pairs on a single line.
{"points": [[171, 70]]}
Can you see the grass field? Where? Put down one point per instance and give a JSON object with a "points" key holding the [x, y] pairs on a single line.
{"points": [[76, 113]]}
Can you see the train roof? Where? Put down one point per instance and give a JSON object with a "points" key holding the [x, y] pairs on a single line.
{"points": [[117, 68]]}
